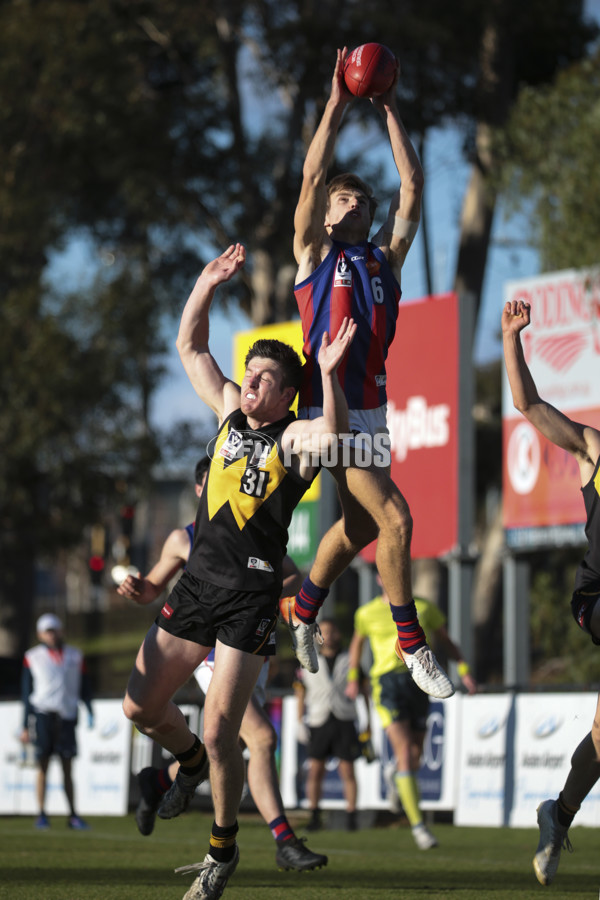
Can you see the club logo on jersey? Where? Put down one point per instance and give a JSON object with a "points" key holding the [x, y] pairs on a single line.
{"points": [[343, 273], [262, 565]]}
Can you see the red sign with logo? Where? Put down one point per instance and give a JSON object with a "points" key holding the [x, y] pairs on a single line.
{"points": [[422, 389], [541, 482]]}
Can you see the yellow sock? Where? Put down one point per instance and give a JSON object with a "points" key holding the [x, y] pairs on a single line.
{"points": [[408, 791]]}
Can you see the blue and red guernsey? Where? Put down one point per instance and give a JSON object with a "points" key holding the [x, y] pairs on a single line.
{"points": [[354, 281]]}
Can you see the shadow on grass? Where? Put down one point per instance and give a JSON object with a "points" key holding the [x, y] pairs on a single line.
{"points": [[332, 881]]}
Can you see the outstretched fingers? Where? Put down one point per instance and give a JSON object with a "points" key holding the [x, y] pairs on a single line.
{"points": [[331, 353]]}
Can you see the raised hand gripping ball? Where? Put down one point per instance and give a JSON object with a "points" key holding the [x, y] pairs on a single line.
{"points": [[369, 70]]}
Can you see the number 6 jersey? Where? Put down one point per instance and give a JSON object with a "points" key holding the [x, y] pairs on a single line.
{"points": [[241, 530], [352, 281]]}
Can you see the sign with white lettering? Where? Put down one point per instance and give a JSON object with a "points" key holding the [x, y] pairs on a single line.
{"points": [[100, 770], [548, 729], [541, 495]]}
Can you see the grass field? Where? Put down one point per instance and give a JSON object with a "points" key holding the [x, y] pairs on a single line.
{"points": [[113, 862]]}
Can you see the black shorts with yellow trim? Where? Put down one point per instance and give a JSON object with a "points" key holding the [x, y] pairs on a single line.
{"points": [[202, 612], [397, 698], [583, 602]]}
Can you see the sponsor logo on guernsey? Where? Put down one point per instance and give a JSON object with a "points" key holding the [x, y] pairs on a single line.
{"points": [[354, 258], [167, 611], [380, 380], [343, 274], [272, 638], [262, 565]]}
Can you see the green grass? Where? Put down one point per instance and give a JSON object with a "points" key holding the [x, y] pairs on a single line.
{"points": [[114, 862]]}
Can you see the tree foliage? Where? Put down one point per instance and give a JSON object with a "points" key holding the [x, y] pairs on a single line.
{"points": [[550, 155], [156, 131]]}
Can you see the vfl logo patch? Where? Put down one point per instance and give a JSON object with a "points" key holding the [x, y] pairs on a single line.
{"points": [[264, 624], [262, 565], [232, 446], [167, 611], [343, 273]]}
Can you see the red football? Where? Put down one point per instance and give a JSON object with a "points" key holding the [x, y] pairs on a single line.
{"points": [[369, 70]]}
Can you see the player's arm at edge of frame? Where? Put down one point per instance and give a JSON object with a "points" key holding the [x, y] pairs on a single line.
{"points": [[581, 440]]}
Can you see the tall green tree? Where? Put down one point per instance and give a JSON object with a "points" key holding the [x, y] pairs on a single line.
{"points": [[549, 152]]}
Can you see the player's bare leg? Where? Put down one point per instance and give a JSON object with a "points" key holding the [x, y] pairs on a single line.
{"points": [[260, 738], [373, 506]]}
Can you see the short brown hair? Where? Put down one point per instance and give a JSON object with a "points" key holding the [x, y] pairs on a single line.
{"points": [[284, 355], [350, 182]]}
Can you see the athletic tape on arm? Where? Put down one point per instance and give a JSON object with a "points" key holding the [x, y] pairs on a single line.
{"points": [[402, 228]]}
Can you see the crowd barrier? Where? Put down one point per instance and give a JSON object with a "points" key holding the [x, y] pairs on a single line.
{"points": [[489, 759]]}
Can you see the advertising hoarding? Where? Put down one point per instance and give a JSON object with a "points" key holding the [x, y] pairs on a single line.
{"points": [[541, 485], [422, 388]]}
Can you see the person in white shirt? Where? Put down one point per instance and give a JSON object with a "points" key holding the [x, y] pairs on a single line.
{"points": [[54, 681]]}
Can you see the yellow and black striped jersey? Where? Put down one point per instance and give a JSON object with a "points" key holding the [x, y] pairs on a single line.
{"points": [[241, 531]]}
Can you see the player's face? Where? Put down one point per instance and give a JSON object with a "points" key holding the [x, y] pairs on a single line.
{"points": [[262, 392], [349, 211]]}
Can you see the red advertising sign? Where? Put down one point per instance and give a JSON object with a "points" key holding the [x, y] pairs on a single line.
{"points": [[422, 388], [541, 483]]}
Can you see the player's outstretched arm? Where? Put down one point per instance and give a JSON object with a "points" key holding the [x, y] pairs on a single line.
{"points": [[399, 229], [331, 354], [453, 652], [354, 655], [307, 440], [292, 577], [217, 391], [580, 440], [173, 557], [309, 218]]}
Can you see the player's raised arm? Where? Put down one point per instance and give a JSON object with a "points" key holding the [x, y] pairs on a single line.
{"points": [[399, 229], [580, 440], [309, 218], [173, 557], [308, 439], [217, 391]]}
